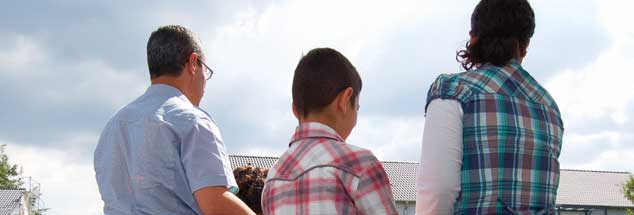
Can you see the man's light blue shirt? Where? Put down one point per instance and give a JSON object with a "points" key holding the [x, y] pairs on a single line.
{"points": [[156, 152]]}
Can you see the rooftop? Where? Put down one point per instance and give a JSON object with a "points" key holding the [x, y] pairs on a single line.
{"points": [[576, 187], [10, 200]]}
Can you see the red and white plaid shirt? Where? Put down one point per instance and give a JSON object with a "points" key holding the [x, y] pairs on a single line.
{"points": [[321, 174]]}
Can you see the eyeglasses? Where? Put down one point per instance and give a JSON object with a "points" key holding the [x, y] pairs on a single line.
{"points": [[208, 71]]}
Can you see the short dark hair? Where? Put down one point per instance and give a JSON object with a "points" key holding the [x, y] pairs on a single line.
{"points": [[321, 75], [168, 49], [250, 182], [501, 28]]}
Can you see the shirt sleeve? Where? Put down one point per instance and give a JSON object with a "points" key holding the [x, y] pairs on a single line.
{"points": [[204, 157], [373, 193], [438, 180]]}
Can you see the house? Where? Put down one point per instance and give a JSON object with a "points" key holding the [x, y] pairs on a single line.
{"points": [[580, 191], [592, 192], [13, 202]]}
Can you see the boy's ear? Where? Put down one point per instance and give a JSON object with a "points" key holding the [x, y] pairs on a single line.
{"points": [[343, 99], [294, 110]]}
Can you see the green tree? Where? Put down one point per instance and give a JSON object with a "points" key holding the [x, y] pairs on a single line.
{"points": [[9, 174], [628, 190], [34, 200], [10, 179]]}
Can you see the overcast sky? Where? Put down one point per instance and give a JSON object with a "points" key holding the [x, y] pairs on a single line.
{"points": [[67, 66]]}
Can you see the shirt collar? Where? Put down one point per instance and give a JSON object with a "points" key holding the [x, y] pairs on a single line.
{"points": [[166, 91], [314, 130], [508, 70], [514, 62]]}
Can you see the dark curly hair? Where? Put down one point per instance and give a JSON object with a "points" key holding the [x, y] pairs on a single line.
{"points": [[500, 29], [251, 182]]}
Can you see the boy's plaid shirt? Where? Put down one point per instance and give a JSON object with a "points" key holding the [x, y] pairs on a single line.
{"points": [[321, 174], [512, 137]]}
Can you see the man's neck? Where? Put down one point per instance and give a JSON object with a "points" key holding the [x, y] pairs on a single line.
{"points": [[176, 83]]}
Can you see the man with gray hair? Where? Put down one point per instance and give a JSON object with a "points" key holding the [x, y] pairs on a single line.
{"points": [[163, 154]]}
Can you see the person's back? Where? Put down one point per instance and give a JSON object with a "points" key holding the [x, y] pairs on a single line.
{"points": [[162, 154], [493, 134], [320, 173], [511, 140], [141, 149]]}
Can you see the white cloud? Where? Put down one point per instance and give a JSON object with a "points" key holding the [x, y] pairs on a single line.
{"points": [[96, 82], [601, 91], [390, 138], [604, 87], [255, 56], [22, 50], [62, 163], [67, 182], [611, 160], [616, 16], [91, 81], [581, 149]]}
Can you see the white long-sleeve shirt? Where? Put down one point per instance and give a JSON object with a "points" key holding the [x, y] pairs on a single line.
{"points": [[438, 180]]}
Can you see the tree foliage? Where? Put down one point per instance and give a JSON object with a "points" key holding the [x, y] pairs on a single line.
{"points": [[628, 190], [34, 206], [9, 173], [10, 178]]}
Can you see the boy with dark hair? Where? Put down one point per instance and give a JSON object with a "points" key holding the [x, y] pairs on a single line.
{"points": [[320, 173]]}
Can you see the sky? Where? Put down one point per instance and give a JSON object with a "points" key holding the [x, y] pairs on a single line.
{"points": [[67, 66]]}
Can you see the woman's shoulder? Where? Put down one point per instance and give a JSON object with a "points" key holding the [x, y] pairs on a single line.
{"points": [[456, 86]]}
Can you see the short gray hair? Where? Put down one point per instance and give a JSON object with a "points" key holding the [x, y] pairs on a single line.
{"points": [[168, 49]]}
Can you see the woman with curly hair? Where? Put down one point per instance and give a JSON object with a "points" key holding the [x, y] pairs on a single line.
{"points": [[251, 182], [492, 134]]}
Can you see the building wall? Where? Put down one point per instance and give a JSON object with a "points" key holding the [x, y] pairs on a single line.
{"points": [[616, 212], [595, 212], [576, 213]]}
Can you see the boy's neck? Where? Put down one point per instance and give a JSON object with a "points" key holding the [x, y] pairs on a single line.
{"points": [[323, 119]]}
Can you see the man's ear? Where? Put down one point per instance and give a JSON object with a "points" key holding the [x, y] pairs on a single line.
{"points": [[343, 99], [192, 63]]}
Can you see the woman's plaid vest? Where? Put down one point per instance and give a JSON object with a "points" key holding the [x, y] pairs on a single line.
{"points": [[512, 133]]}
